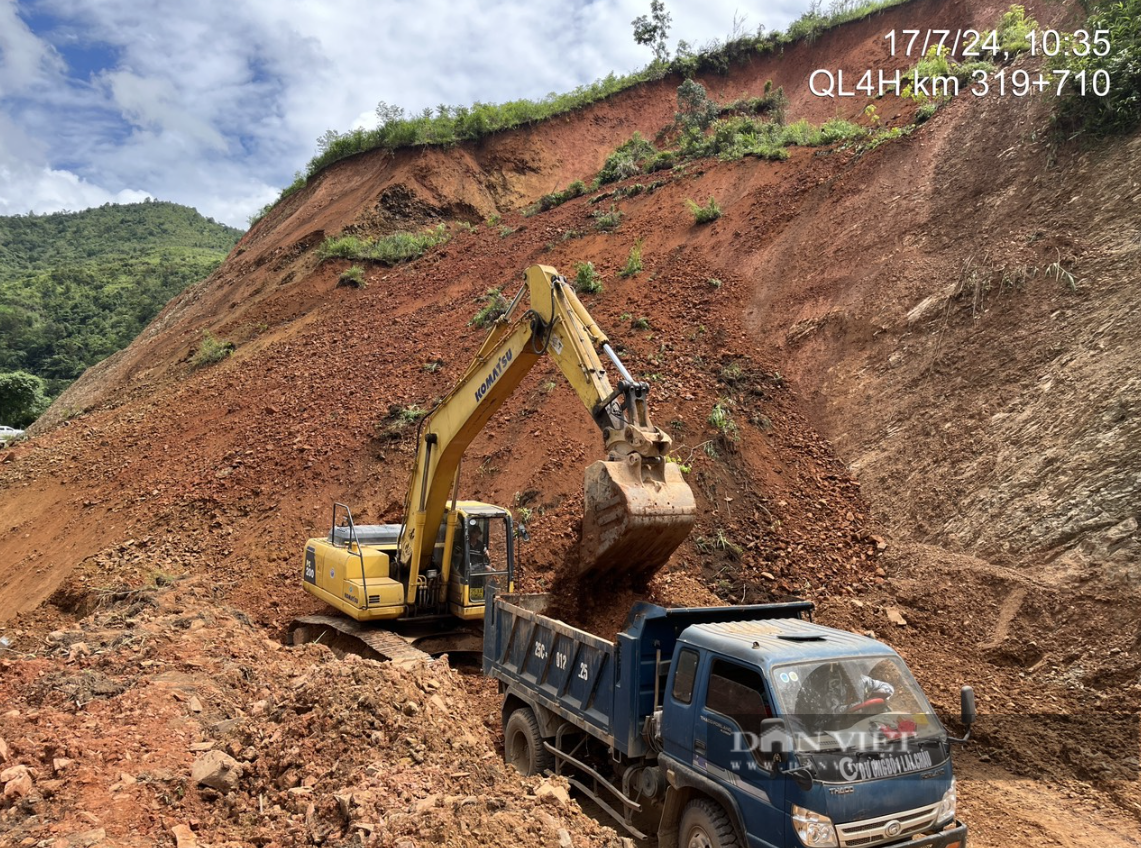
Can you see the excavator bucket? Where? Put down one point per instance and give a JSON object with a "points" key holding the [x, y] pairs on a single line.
{"points": [[636, 515]]}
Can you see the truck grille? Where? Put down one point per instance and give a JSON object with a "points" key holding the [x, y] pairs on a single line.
{"points": [[885, 829]]}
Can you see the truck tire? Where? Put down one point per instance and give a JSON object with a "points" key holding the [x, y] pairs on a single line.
{"points": [[705, 825], [523, 745]]}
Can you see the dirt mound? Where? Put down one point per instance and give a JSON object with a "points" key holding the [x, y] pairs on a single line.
{"points": [[168, 714]]}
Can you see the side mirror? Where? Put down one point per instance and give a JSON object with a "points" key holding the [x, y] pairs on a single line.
{"points": [[523, 534], [802, 777], [967, 699]]}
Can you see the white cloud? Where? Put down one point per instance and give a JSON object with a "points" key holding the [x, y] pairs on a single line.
{"points": [[152, 104], [27, 188], [25, 62], [217, 104]]}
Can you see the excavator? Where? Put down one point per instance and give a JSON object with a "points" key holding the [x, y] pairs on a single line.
{"points": [[424, 579]]}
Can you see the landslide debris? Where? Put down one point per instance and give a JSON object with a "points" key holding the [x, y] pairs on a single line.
{"points": [[179, 721]]}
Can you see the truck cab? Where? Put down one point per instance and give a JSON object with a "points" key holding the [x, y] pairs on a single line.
{"points": [[806, 735], [721, 727]]}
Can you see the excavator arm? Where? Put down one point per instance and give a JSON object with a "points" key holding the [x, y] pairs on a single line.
{"points": [[638, 509]]}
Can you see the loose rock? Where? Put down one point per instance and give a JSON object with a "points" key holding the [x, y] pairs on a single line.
{"points": [[218, 770]]}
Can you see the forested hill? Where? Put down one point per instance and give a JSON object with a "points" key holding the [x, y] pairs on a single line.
{"points": [[39, 242], [76, 287]]}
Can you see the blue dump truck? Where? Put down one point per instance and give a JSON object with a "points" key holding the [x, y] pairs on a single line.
{"points": [[727, 726]]}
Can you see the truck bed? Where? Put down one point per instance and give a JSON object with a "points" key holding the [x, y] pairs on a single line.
{"points": [[606, 688]]}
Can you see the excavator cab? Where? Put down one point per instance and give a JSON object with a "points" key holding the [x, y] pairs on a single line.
{"points": [[353, 568], [483, 550]]}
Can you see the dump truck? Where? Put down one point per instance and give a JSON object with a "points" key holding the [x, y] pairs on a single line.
{"points": [[727, 726], [423, 578]]}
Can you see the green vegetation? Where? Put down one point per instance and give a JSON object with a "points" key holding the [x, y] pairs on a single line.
{"points": [[773, 104], [884, 136], [654, 30], [391, 249], [354, 277], [607, 222], [211, 350], [1014, 30], [746, 127], [627, 160], [722, 420], [704, 214], [696, 110], [550, 201], [732, 373], [22, 398], [633, 261], [410, 414], [723, 541], [926, 110], [735, 138], [1102, 94], [586, 279], [76, 287], [683, 465], [661, 161], [398, 419], [495, 304], [938, 64]]}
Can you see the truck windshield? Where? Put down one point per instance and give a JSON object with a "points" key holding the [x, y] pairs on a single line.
{"points": [[860, 703]]}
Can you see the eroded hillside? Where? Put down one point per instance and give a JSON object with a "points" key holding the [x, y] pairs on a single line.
{"points": [[924, 350]]}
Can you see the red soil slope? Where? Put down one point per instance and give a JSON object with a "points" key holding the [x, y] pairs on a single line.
{"points": [[930, 419]]}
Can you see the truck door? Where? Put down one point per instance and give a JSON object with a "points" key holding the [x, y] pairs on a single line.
{"points": [[728, 727], [678, 711]]}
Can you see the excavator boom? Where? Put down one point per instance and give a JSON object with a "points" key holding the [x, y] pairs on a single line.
{"points": [[638, 509]]}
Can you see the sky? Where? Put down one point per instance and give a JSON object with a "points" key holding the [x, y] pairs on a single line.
{"points": [[218, 104]]}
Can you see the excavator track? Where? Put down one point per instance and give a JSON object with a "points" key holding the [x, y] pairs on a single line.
{"points": [[348, 636]]}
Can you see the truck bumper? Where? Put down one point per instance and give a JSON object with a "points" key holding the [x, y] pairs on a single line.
{"points": [[955, 837]]}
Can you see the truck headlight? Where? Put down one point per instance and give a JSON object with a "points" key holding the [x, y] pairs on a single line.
{"points": [[814, 830], [946, 809]]}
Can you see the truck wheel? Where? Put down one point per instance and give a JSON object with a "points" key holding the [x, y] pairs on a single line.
{"points": [[705, 825], [523, 746]]}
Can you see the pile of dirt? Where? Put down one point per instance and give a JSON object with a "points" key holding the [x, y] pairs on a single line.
{"points": [[166, 716]]}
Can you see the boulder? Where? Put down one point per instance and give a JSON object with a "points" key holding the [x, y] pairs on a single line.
{"points": [[218, 770]]}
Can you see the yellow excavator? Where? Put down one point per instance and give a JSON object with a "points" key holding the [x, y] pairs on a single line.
{"points": [[427, 575]]}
